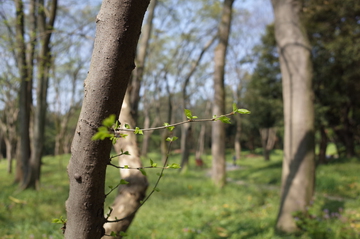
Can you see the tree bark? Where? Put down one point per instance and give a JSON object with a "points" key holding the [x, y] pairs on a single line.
{"points": [[45, 27], [299, 164], [117, 33], [237, 143], [24, 94], [138, 73], [186, 128], [268, 137], [128, 199], [323, 145], [218, 128]]}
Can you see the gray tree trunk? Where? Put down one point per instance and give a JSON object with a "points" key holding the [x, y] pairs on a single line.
{"points": [[218, 128], [117, 33], [299, 163]]}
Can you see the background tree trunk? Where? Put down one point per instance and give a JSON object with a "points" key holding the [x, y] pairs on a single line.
{"points": [[117, 33], [45, 27], [142, 49], [298, 164], [218, 128], [268, 138], [128, 199], [24, 94], [323, 145]]}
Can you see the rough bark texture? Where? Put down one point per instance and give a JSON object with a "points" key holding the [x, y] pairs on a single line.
{"points": [[298, 164], [117, 33], [128, 199], [218, 128]]}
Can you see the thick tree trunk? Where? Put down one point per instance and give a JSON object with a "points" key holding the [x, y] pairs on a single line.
{"points": [[218, 128], [117, 33], [299, 163], [128, 200]]}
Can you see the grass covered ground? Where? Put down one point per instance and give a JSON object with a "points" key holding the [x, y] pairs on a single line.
{"points": [[189, 207]]}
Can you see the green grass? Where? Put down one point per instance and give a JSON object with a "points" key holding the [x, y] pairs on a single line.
{"points": [[189, 207]]}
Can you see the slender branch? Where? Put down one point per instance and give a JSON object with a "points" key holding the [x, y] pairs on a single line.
{"points": [[126, 167], [152, 191], [176, 124]]}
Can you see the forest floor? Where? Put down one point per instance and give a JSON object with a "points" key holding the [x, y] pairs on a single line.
{"points": [[188, 206]]}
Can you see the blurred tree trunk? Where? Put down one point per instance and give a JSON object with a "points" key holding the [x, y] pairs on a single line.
{"points": [[237, 143], [186, 131], [323, 145], [165, 134], [8, 131], [45, 30], [142, 49], [62, 122], [24, 93], [298, 172], [218, 128], [118, 28], [201, 142], [129, 195], [268, 139]]}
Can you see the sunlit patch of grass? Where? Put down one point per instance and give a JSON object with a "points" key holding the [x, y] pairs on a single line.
{"points": [[188, 205]]}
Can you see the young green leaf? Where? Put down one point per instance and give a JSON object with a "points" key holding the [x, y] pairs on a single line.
{"points": [[117, 124], [127, 126], [126, 166], [171, 139], [125, 153], [189, 115], [142, 171], [152, 164], [174, 165], [138, 131], [157, 189], [109, 121], [122, 181], [170, 128], [243, 111], [234, 108], [224, 119]]}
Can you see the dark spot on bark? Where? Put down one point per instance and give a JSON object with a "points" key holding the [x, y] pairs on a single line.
{"points": [[78, 177]]}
